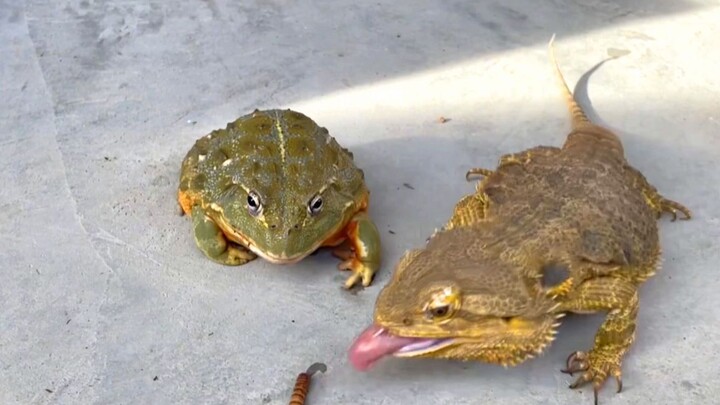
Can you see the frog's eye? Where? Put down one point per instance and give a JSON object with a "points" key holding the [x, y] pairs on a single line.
{"points": [[254, 203], [315, 205]]}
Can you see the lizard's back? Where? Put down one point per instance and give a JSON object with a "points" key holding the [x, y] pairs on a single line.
{"points": [[561, 203], [580, 202]]}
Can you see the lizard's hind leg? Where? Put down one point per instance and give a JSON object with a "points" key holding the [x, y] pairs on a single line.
{"points": [[661, 205], [655, 200]]}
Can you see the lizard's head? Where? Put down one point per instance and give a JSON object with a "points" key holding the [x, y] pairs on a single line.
{"points": [[454, 300]]}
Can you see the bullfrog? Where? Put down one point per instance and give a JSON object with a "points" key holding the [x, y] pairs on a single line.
{"points": [[275, 184]]}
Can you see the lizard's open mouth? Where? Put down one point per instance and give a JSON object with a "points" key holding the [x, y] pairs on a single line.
{"points": [[375, 343]]}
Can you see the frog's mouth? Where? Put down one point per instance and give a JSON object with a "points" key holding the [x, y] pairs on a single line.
{"points": [[281, 258], [275, 258]]}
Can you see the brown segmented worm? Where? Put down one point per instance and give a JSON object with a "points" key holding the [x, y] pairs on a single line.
{"points": [[302, 383]]}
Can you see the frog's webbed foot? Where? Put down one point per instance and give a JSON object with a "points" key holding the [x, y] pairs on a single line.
{"points": [[363, 257], [350, 262], [210, 239], [360, 272]]}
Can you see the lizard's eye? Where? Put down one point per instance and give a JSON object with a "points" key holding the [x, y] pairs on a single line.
{"points": [[254, 204], [443, 304], [439, 312], [315, 205]]}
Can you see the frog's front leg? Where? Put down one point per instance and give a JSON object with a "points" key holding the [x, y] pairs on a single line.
{"points": [[211, 241], [364, 260]]}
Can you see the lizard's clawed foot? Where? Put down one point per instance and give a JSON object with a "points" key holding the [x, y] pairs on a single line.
{"points": [[595, 368], [673, 208], [475, 173]]}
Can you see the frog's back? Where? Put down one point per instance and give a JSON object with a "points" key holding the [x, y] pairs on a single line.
{"points": [[269, 150]]}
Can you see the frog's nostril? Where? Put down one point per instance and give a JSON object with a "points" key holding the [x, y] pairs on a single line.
{"points": [[293, 229]]}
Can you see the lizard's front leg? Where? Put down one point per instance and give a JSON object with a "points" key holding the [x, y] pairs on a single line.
{"points": [[473, 207], [364, 260], [469, 210], [619, 298], [211, 241], [525, 157]]}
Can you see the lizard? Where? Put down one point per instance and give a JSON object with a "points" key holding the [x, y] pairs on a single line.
{"points": [[477, 290], [275, 184]]}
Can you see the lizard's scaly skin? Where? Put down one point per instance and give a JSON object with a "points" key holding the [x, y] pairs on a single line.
{"points": [[475, 292]]}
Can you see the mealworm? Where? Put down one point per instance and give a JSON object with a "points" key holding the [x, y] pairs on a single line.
{"points": [[302, 383]]}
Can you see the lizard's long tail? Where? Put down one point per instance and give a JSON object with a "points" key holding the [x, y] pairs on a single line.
{"points": [[585, 136], [577, 114]]}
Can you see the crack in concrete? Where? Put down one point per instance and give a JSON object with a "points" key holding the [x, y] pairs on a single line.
{"points": [[74, 208], [106, 236]]}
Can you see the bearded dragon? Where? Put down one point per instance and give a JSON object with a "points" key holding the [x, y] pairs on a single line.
{"points": [[476, 291]]}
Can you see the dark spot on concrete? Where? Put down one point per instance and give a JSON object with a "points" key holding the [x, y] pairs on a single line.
{"points": [[688, 385], [155, 378], [409, 186], [49, 390]]}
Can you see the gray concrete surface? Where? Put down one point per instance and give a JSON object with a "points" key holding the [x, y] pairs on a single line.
{"points": [[104, 298]]}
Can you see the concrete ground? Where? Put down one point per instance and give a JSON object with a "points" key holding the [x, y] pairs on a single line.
{"points": [[104, 298]]}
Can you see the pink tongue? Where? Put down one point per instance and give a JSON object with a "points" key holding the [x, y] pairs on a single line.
{"points": [[373, 344]]}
